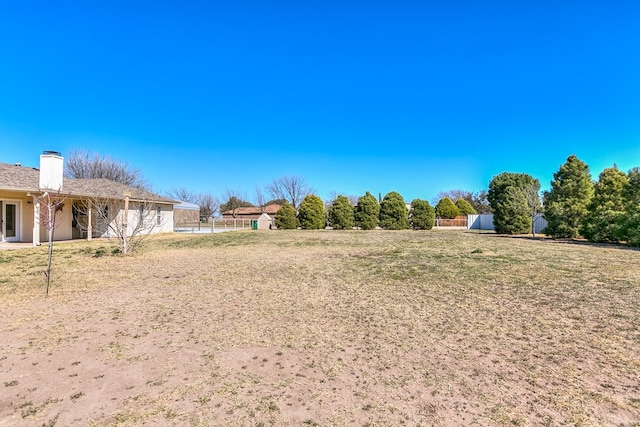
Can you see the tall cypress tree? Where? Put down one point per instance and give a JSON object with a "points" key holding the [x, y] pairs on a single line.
{"points": [[394, 214], [566, 205], [341, 216], [286, 217], [311, 213], [606, 208], [367, 212], [422, 215], [629, 230], [508, 200]]}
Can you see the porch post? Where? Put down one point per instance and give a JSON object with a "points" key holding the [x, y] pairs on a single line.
{"points": [[36, 221], [89, 221]]}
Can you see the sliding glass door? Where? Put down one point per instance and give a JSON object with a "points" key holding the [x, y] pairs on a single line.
{"points": [[10, 221]]}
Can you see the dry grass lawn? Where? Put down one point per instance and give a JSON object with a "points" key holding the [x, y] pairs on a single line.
{"points": [[323, 328]]}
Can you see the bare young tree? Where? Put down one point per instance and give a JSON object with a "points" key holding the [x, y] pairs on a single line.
{"points": [[209, 204], [183, 194], [83, 164], [532, 194], [290, 188], [50, 204], [129, 223], [260, 197], [235, 201]]}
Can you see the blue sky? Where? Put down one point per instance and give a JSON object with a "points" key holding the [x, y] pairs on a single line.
{"points": [[410, 96]]}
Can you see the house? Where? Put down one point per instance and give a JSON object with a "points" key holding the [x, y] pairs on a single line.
{"points": [[251, 212], [91, 207], [262, 218]]}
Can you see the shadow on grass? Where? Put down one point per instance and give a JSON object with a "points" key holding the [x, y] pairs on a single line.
{"points": [[565, 241]]}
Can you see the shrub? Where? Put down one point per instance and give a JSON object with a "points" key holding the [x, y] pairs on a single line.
{"points": [[311, 213], [445, 208], [286, 217], [465, 207], [507, 197], [393, 212], [367, 211], [422, 215], [341, 215]]}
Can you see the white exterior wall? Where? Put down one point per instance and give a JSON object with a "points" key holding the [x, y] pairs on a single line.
{"points": [[539, 223], [480, 222], [485, 222], [63, 230], [133, 216], [51, 172]]}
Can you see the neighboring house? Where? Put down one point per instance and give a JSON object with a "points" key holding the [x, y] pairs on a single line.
{"points": [[22, 187], [251, 212], [263, 216]]}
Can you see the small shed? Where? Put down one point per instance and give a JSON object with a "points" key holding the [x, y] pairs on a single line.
{"points": [[265, 222]]}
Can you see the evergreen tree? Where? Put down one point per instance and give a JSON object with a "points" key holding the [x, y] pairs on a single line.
{"points": [[606, 208], [311, 213], [341, 215], [367, 211], [422, 215], [629, 229], [465, 208], [508, 200], [393, 212], [286, 217], [445, 208], [566, 204]]}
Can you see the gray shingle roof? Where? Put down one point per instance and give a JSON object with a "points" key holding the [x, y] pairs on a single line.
{"points": [[22, 178]]}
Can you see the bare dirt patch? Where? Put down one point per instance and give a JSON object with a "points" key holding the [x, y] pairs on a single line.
{"points": [[323, 328]]}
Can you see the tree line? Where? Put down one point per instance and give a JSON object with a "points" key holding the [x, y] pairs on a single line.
{"points": [[368, 213], [606, 211]]}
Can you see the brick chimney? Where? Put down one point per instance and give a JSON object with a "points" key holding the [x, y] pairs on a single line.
{"points": [[51, 171]]}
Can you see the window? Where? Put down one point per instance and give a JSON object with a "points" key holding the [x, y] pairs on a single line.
{"points": [[159, 215]]}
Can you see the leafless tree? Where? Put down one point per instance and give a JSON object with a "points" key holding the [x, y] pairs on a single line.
{"points": [[477, 199], [83, 164], [183, 194], [235, 201], [50, 204], [260, 197], [454, 195], [208, 203], [532, 194], [129, 223], [351, 197], [480, 202], [290, 188]]}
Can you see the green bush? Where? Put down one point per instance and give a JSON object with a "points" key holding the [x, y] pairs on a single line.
{"points": [[341, 215], [465, 207], [508, 200], [422, 215], [367, 211], [446, 209], [311, 213], [286, 217], [393, 212]]}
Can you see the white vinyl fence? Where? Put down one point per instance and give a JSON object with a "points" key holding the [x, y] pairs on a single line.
{"points": [[485, 222]]}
